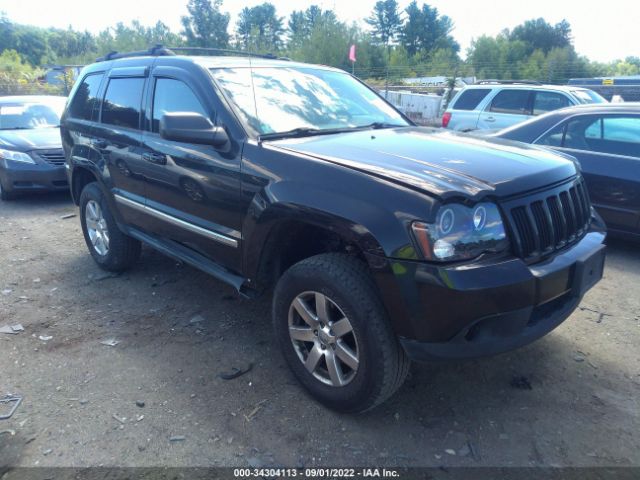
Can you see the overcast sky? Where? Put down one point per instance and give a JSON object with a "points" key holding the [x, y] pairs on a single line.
{"points": [[602, 30]]}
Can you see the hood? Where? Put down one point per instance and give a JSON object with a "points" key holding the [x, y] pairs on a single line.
{"points": [[440, 162], [32, 139]]}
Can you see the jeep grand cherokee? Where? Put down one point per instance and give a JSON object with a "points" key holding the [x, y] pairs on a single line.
{"points": [[382, 241]]}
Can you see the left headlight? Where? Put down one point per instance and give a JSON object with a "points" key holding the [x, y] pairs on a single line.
{"points": [[15, 156], [461, 233]]}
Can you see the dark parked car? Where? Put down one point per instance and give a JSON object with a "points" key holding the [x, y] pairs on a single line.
{"points": [[606, 141], [383, 241], [31, 157]]}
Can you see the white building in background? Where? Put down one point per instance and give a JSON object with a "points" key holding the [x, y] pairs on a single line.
{"points": [[438, 81]]}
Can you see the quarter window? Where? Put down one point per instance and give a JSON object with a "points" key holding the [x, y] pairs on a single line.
{"points": [[471, 98], [121, 106], [553, 138], [173, 96], [86, 97], [511, 101]]}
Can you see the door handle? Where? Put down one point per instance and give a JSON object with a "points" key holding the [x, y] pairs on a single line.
{"points": [[489, 119], [99, 144], [157, 158]]}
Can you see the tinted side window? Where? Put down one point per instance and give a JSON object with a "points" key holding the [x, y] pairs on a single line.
{"points": [[548, 101], [469, 99], [511, 101], [621, 129], [609, 135], [86, 97], [122, 101], [173, 96]]}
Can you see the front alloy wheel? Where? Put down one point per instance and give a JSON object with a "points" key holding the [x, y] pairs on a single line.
{"points": [[335, 334], [323, 339]]}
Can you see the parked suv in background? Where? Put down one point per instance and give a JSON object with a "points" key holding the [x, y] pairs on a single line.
{"points": [[382, 241], [493, 104]]}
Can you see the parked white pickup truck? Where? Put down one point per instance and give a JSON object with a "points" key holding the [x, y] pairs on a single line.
{"points": [[492, 104]]}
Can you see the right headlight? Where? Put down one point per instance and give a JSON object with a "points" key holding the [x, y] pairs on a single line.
{"points": [[15, 156], [461, 232]]}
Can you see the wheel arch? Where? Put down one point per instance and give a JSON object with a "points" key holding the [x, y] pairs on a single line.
{"points": [[285, 233], [81, 176]]}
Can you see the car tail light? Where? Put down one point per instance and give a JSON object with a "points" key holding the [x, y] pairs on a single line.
{"points": [[446, 117]]}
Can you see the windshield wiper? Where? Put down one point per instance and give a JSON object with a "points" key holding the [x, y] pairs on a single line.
{"points": [[296, 132], [379, 125], [310, 131]]}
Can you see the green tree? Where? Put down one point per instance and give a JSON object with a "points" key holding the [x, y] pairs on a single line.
{"points": [[17, 77], [425, 30], [539, 34], [302, 22], [260, 29], [385, 21], [206, 25]]}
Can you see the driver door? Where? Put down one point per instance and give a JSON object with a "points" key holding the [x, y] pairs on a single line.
{"points": [[193, 190]]}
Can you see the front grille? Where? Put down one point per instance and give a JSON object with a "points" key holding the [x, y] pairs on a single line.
{"points": [[547, 221], [53, 157]]}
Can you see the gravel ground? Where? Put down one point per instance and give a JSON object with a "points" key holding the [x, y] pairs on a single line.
{"points": [[156, 398]]}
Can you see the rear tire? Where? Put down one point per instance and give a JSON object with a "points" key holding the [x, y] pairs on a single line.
{"points": [[329, 289], [111, 249]]}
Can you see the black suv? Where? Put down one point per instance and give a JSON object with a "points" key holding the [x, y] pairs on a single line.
{"points": [[383, 241]]}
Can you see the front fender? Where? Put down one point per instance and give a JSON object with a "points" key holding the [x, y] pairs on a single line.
{"points": [[375, 230]]}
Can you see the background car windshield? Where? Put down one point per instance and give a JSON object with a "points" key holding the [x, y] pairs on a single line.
{"points": [[28, 115], [288, 98], [588, 96]]}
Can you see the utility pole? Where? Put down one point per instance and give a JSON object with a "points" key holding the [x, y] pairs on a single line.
{"points": [[386, 80]]}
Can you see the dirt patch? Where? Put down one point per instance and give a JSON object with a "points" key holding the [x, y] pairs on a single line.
{"points": [[580, 406]]}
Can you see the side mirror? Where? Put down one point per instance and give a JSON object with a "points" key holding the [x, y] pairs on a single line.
{"points": [[191, 127]]}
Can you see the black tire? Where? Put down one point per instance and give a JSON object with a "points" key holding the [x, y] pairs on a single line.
{"points": [[123, 251], [383, 364], [6, 195]]}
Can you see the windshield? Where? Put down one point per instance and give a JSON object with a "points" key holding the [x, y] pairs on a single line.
{"points": [[302, 98], [37, 113], [588, 96]]}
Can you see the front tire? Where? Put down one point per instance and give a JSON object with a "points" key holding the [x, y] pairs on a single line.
{"points": [[111, 249], [335, 335], [6, 195]]}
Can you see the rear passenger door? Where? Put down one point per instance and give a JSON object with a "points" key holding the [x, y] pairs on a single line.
{"points": [[194, 192], [508, 107], [117, 138], [77, 124]]}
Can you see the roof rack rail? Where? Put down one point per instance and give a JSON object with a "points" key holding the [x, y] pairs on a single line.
{"points": [[227, 51], [155, 51], [162, 51], [507, 82]]}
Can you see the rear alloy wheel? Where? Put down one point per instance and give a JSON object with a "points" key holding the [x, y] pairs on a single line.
{"points": [[97, 227], [111, 249], [335, 335]]}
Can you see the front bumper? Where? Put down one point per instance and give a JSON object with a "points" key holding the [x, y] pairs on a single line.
{"points": [[28, 177], [474, 310]]}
